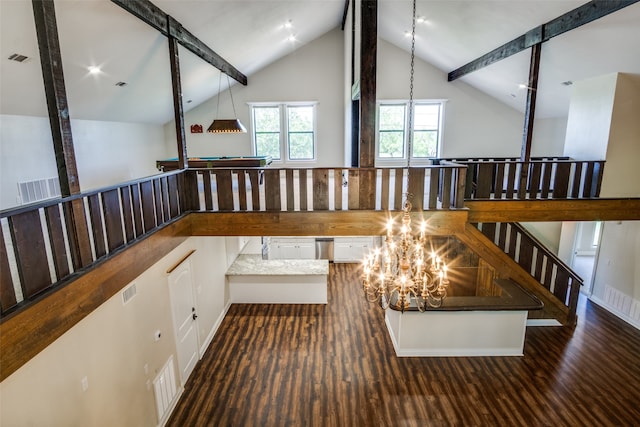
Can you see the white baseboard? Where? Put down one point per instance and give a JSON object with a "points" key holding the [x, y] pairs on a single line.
{"points": [[543, 322], [214, 329]]}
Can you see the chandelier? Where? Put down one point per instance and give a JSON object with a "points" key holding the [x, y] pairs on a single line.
{"points": [[405, 272]]}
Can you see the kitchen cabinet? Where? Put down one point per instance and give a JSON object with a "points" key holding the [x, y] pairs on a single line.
{"points": [[352, 249], [292, 248]]}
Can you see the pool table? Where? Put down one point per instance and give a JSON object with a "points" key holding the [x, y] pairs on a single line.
{"points": [[216, 162]]}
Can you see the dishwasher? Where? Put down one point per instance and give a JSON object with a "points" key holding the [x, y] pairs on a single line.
{"points": [[324, 248]]}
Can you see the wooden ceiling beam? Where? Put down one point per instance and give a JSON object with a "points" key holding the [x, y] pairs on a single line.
{"points": [[575, 18], [168, 26]]}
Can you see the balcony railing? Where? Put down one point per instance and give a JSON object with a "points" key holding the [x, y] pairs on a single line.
{"points": [[44, 245], [541, 178]]}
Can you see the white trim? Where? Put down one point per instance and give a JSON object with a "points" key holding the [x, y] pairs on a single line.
{"points": [[543, 322], [214, 329]]}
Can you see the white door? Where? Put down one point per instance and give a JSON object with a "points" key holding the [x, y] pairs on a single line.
{"points": [[184, 318]]}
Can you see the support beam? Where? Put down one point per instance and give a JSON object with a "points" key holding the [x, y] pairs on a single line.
{"points": [[154, 16], [56, 94], [529, 115], [579, 16], [368, 59], [181, 138]]}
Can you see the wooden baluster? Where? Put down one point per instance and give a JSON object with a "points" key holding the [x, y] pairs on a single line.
{"points": [[242, 189], [95, 216], [208, 190], [367, 189], [224, 185], [174, 207], [138, 216], [302, 181], [290, 192], [30, 252], [415, 188], [7, 294], [148, 214], [499, 181], [157, 200], [384, 191], [561, 180], [485, 180], [354, 189], [397, 191], [577, 181], [56, 240], [112, 219], [255, 189], [546, 180], [434, 187], [534, 179], [272, 189], [337, 186], [320, 189], [125, 196]]}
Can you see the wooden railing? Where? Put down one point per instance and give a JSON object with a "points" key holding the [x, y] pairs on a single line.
{"points": [[537, 260], [44, 245], [302, 189], [543, 178]]}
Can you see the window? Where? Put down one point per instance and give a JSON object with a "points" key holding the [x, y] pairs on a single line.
{"points": [[286, 132], [393, 137]]}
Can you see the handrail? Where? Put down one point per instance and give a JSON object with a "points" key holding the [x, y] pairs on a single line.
{"points": [[328, 188], [43, 245], [542, 264]]}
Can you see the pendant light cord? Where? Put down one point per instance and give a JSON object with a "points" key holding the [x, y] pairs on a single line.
{"points": [[233, 105], [413, 54]]}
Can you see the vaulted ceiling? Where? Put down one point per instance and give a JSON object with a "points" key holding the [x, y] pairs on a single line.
{"points": [[251, 34]]}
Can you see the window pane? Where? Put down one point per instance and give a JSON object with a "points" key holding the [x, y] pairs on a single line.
{"points": [[301, 119], [425, 143], [391, 117], [301, 146], [267, 119], [268, 144], [427, 117], [391, 144]]}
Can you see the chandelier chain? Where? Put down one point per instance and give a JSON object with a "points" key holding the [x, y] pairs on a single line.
{"points": [[413, 55]]}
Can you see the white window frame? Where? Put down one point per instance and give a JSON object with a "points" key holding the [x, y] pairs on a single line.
{"points": [[284, 130], [403, 161]]}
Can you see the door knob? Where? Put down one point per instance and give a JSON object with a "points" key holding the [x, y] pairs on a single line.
{"points": [[195, 316]]}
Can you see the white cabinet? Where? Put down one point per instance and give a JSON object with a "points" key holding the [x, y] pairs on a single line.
{"points": [[352, 249], [292, 248]]}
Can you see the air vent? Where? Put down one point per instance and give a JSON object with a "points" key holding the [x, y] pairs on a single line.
{"points": [[19, 58], [39, 189], [129, 293], [120, 84], [567, 83]]}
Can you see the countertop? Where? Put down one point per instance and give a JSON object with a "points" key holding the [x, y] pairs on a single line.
{"points": [[253, 265]]}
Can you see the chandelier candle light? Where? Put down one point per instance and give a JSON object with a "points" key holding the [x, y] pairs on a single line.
{"points": [[405, 273]]}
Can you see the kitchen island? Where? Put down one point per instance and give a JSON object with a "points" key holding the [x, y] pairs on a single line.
{"points": [[253, 280]]}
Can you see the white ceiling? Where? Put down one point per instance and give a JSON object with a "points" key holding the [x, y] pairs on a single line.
{"points": [[251, 34]]}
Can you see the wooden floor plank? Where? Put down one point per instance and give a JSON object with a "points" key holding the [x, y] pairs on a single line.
{"points": [[331, 365]]}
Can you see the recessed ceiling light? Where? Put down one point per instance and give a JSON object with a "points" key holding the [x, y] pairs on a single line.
{"points": [[291, 38], [94, 70], [420, 19], [288, 24], [407, 33], [522, 86]]}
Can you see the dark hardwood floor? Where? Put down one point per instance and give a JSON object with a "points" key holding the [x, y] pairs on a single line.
{"points": [[334, 365]]}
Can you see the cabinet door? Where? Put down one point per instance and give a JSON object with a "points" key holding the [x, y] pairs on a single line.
{"points": [[289, 251], [307, 250]]}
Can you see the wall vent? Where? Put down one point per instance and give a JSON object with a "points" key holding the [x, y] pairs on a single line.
{"points": [[39, 189], [120, 84], [129, 293], [166, 391], [19, 58]]}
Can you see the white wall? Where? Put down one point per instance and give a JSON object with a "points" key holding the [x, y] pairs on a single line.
{"points": [[107, 153], [314, 72], [475, 124], [111, 347]]}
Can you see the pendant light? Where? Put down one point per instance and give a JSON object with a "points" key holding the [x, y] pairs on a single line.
{"points": [[226, 125]]}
